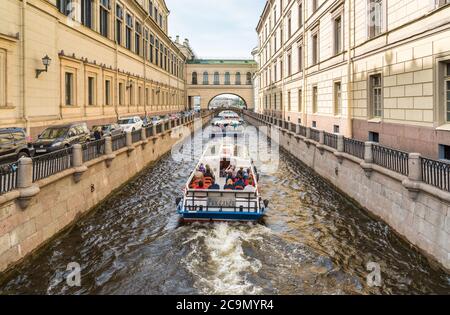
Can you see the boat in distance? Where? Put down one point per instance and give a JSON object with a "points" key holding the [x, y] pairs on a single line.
{"points": [[220, 195]]}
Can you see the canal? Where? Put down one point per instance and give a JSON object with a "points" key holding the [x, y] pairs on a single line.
{"points": [[313, 241]]}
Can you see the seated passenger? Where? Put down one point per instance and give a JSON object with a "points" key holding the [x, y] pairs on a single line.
{"points": [[239, 184], [214, 186], [202, 168], [208, 172], [229, 185], [249, 188], [200, 185]]}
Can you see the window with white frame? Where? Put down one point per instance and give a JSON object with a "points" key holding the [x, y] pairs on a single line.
{"points": [[128, 31], [441, 3], [447, 92], [87, 8], [375, 17], [91, 89], [315, 47], [337, 35], [69, 92], [119, 23], [300, 57], [289, 101], [105, 9], [300, 14], [300, 102], [315, 97], [108, 91], [2, 78], [376, 101]]}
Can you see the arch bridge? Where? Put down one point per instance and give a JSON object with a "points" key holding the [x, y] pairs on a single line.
{"points": [[209, 78]]}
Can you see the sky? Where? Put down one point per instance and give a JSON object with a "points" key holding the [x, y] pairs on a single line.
{"points": [[216, 28]]}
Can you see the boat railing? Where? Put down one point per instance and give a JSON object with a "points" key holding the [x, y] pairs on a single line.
{"points": [[221, 201]]}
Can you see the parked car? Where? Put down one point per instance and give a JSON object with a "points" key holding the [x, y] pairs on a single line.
{"points": [[108, 130], [62, 136], [131, 123], [14, 145]]}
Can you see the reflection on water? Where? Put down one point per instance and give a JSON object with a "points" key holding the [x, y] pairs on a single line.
{"points": [[313, 241]]}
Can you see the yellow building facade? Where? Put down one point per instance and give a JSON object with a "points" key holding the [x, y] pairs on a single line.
{"points": [[371, 69], [109, 59]]}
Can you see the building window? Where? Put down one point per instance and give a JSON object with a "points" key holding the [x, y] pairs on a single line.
{"points": [[121, 94], [157, 52], [289, 101], [374, 136], [300, 102], [289, 60], [64, 6], [119, 22], [281, 69], [375, 95], [300, 58], [314, 99], [249, 78], [444, 152], [107, 92], [137, 38], [314, 5], [150, 8], [205, 78], [336, 128], [300, 14], [314, 124], [238, 78], [105, 8], [289, 25], [338, 35], [128, 31], [337, 98], [447, 92], [2, 78], [216, 78], [91, 91], [194, 78], [68, 86], [139, 96], [441, 3], [227, 78], [86, 13], [146, 54], [315, 48], [375, 17], [152, 47]]}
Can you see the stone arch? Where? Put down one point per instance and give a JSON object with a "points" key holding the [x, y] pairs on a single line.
{"points": [[246, 105]]}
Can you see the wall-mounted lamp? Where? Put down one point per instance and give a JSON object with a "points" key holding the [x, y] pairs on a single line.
{"points": [[46, 61]]}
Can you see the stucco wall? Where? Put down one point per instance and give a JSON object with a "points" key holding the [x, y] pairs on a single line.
{"points": [[61, 200], [424, 222]]}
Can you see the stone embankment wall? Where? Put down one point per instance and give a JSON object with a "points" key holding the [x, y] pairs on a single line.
{"points": [[30, 217], [418, 212]]}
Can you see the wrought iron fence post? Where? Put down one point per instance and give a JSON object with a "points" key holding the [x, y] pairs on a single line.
{"points": [[25, 184], [110, 156], [77, 162], [368, 158], [415, 175]]}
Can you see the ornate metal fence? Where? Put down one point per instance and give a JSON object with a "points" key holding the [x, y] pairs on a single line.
{"points": [[330, 140], [354, 147], [149, 132], [315, 135], [93, 150], [158, 128], [166, 125], [49, 164], [119, 142], [394, 160], [136, 136], [436, 173], [303, 131], [8, 177]]}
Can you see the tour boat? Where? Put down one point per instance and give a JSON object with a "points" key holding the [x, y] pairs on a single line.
{"points": [[205, 204]]}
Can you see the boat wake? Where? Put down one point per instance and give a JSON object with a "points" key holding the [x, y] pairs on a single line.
{"points": [[218, 261]]}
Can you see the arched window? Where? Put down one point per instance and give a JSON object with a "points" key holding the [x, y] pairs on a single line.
{"points": [[194, 78], [249, 78], [238, 78], [216, 78], [227, 78], [205, 78]]}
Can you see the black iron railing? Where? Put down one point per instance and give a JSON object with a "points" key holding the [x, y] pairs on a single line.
{"points": [[158, 128], [315, 135], [293, 127], [119, 142], [302, 130], [149, 132], [8, 177], [330, 139], [136, 136], [166, 125], [394, 160], [436, 173], [93, 150], [354, 147], [49, 164]]}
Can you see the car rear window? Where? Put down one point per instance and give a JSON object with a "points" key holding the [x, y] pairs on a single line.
{"points": [[53, 133]]}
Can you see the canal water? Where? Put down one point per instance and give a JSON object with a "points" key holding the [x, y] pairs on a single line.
{"points": [[313, 241]]}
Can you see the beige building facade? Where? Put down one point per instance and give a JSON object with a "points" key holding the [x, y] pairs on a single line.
{"points": [[371, 69], [109, 58], [210, 78]]}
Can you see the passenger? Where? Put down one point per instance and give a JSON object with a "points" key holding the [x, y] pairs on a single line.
{"points": [[249, 188], [239, 184], [250, 182], [200, 185], [208, 172], [240, 173], [214, 186], [198, 176], [202, 168], [229, 185]]}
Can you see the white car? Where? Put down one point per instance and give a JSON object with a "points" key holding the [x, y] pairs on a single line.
{"points": [[130, 123]]}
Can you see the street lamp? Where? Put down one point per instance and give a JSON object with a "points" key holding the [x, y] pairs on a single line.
{"points": [[129, 84], [46, 61]]}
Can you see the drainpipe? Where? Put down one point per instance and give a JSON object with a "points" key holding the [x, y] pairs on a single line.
{"points": [[24, 86], [349, 74]]}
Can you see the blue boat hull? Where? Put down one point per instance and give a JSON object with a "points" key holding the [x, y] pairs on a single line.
{"points": [[220, 216]]}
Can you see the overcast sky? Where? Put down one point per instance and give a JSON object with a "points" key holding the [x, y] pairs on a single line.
{"points": [[216, 28]]}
